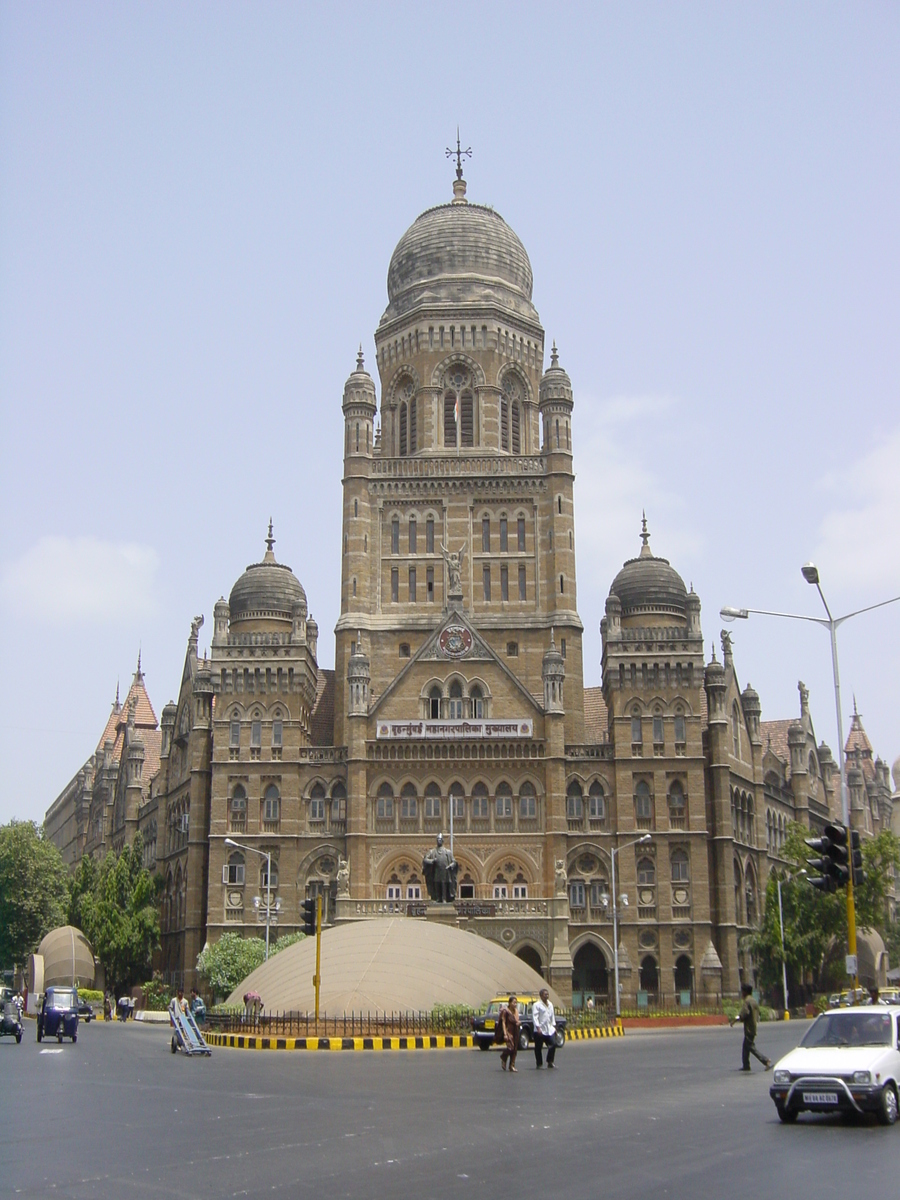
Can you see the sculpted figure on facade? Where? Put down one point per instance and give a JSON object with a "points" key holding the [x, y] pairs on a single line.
{"points": [[343, 877], [454, 561], [440, 869]]}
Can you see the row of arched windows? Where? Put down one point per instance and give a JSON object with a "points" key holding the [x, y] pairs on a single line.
{"points": [[459, 418], [321, 806], [456, 701], [742, 817], [776, 831], [435, 805]]}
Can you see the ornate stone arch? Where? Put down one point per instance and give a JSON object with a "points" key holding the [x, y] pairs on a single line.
{"points": [[590, 938], [405, 369], [307, 863], [521, 860], [455, 358]]}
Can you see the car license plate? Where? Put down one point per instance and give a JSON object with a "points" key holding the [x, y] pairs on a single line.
{"points": [[820, 1097], [489, 1024]]}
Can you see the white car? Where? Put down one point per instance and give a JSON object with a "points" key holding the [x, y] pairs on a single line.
{"points": [[848, 1061]]}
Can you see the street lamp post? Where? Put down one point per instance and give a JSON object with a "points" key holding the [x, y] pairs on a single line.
{"points": [[615, 906], [267, 855], [811, 575]]}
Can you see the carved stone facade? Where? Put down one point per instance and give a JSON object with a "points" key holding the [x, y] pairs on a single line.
{"points": [[457, 703]]}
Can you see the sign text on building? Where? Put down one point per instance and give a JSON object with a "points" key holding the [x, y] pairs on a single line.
{"points": [[453, 730]]}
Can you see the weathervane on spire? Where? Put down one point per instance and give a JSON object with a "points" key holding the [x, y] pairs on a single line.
{"points": [[459, 154], [270, 541], [645, 536]]}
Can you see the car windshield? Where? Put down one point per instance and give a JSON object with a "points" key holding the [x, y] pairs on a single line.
{"points": [[62, 1000], [863, 1028]]}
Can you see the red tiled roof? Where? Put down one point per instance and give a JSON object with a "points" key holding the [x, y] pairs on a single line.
{"points": [[321, 723], [144, 719], [774, 735], [857, 738], [596, 717]]}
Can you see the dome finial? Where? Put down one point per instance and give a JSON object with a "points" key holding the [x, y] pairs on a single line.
{"points": [[554, 355], [360, 360], [270, 541], [459, 186], [646, 552]]}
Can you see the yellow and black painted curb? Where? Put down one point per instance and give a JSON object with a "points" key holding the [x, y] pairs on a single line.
{"points": [[243, 1041], [594, 1031], [461, 1041]]}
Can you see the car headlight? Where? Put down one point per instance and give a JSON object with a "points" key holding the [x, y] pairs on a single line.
{"points": [[862, 1077], [782, 1077]]}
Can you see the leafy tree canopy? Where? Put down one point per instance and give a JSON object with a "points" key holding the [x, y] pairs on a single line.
{"points": [[815, 923], [227, 962], [34, 890], [116, 908]]}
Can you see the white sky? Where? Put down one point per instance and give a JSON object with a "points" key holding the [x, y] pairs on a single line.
{"points": [[198, 204]]}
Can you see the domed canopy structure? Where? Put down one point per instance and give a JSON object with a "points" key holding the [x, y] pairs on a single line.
{"points": [[459, 254], [68, 958], [648, 584], [390, 964], [266, 590]]}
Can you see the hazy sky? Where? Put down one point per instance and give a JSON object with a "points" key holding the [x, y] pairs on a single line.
{"points": [[198, 204]]}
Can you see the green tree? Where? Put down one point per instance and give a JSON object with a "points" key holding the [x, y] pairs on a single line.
{"points": [[120, 917], [229, 961], [289, 939], [815, 923], [34, 890], [82, 888]]}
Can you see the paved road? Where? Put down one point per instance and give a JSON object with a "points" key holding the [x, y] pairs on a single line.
{"points": [[648, 1115]]}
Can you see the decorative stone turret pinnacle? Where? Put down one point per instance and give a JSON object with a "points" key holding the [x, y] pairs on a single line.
{"points": [[646, 552], [553, 673], [459, 184], [554, 355], [360, 359]]}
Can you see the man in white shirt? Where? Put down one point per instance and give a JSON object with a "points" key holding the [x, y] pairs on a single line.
{"points": [[544, 1029]]}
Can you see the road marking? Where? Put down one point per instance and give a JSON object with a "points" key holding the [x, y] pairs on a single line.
{"points": [[58, 1050]]}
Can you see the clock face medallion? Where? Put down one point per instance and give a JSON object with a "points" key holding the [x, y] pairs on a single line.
{"points": [[455, 641]]}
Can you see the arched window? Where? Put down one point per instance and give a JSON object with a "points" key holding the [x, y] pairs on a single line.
{"points": [[643, 803], [457, 801], [511, 407], [317, 803], [527, 802], [234, 869], [477, 702], [266, 880], [272, 804], [466, 419], [480, 802], [680, 867], [574, 801], [456, 701], [404, 436], [238, 801], [738, 899], [434, 704], [409, 803], [384, 805], [597, 802], [676, 800], [412, 426], [459, 423], [646, 872], [515, 428], [504, 800], [736, 729], [338, 803], [649, 979], [504, 423], [432, 802], [449, 419]]}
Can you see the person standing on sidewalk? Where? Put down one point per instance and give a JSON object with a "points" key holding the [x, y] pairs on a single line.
{"points": [[544, 1029], [510, 1025], [749, 1018]]}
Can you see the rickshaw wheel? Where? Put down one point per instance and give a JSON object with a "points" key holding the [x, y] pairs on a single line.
{"points": [[59, 1038], [174, 1045], [74, 1038], [18, 1038]]}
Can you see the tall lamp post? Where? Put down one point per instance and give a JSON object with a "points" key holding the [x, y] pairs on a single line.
{"points": [[615, 908], [267, 855], [811, 575]]}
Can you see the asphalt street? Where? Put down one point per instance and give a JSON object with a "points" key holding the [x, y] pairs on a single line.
{"points": [[663, 1114]]}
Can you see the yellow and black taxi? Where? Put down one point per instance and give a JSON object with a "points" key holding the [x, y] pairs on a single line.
{"points": [[484, 1026]]}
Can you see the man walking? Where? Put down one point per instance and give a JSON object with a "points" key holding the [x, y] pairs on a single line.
{"points": [[749, 1018], [544, 1030]]}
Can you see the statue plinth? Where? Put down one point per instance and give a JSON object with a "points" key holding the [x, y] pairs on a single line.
{"points": [[442, 914]]}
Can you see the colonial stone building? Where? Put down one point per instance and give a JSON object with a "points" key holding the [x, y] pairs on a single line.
{"points": [[457, 703]]}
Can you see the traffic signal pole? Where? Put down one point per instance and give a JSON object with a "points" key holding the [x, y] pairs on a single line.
{"points": [[318, 977]]}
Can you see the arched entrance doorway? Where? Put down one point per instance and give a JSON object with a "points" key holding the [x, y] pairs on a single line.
{"points": [[529, 955], [590, 976], [649, 980], [683, 979]]}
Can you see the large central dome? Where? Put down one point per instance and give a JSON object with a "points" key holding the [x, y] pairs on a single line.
{"points": [[459, 255]]}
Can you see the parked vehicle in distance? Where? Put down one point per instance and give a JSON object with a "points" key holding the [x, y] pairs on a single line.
{"points": [[483, 1026], [848, 998], [848, 1061], [58, 1014], [10, 1019], [85, 1010]]}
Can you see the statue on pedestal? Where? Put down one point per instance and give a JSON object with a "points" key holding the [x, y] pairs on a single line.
{"points": [[454, 561], [440, 870]]}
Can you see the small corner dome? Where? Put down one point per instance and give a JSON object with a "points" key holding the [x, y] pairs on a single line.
{"points": [[648, 584], [266, 590], [459, 254]]}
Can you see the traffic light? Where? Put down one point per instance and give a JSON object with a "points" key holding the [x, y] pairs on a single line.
{"points": [[834, 863], [308, 916], [856, 861]]}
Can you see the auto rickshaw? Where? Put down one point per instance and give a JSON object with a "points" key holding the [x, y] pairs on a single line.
{"points": [[10, 1020], [58, 1015]]}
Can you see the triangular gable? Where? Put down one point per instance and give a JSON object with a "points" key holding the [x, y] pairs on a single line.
{"points": [[449, 644]]}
